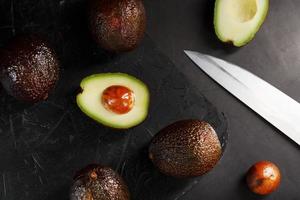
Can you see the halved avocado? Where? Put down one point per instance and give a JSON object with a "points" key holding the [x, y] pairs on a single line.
{"points": [[93, 87], [237, 21]]}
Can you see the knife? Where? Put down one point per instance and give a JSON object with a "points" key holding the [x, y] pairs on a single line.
{"points": [[273, 105]]}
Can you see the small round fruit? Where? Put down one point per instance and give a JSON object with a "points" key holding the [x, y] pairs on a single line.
{"points": [[185, 148], [98, 183], [263, 177], [117, 25], [115, 100], [29, 68]]}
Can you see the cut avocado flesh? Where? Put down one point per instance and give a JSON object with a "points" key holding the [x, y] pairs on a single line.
{"points": [[89, 100], [237, 21]]}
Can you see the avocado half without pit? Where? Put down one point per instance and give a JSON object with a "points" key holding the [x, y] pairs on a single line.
{"points": [[115, 100], [237, 21], [186, 148]]}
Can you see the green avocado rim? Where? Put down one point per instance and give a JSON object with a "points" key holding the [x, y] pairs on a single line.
{"points": [[251, 36], [104, 122]]}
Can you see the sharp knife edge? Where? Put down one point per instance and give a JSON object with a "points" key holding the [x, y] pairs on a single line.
{"points": [[269, 102]]}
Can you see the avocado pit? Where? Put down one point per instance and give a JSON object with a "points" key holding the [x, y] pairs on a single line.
{"points": [[118, 99]]}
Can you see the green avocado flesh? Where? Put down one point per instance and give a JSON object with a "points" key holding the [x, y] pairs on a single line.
{"points": [[237, 21], [89, 100]]}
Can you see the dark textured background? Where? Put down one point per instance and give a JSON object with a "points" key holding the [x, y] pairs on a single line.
{"points": [[43, 145], [274, 55], [173, 25]]}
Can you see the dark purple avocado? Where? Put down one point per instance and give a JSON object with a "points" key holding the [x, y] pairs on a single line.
{"points": [[29, 68], [117, 25], [95, 182], [186, 148]]}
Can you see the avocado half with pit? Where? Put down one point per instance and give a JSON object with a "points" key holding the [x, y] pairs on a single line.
{"points": [[115, 100], [237, 21]]}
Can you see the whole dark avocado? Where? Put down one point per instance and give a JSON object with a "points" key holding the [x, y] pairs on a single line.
{"points": [[117, 25], [95, 182], [185, 148], [29, 68]]}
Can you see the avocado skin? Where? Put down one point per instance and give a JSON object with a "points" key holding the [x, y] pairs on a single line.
{"points": [[186, 148], [117, 25], [249, 38], [98, 116], [95, 182], [29, 68]]}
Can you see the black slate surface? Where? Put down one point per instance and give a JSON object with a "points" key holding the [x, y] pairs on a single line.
{"points": [[175, 25], [42, 145]]}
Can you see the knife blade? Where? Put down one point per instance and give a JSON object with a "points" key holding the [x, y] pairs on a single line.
{"points": [[269, 102]]}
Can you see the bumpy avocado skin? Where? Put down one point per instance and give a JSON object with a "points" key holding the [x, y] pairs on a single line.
{"points": [[117, 25], [29, 68], [95, 182], [185, 148]]}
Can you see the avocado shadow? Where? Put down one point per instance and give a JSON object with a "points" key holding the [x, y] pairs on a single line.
{"points": [[62, 194], [207, 28], [220, 124], [18, 106], [244, 192], [146, 182], [79, 49]]}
